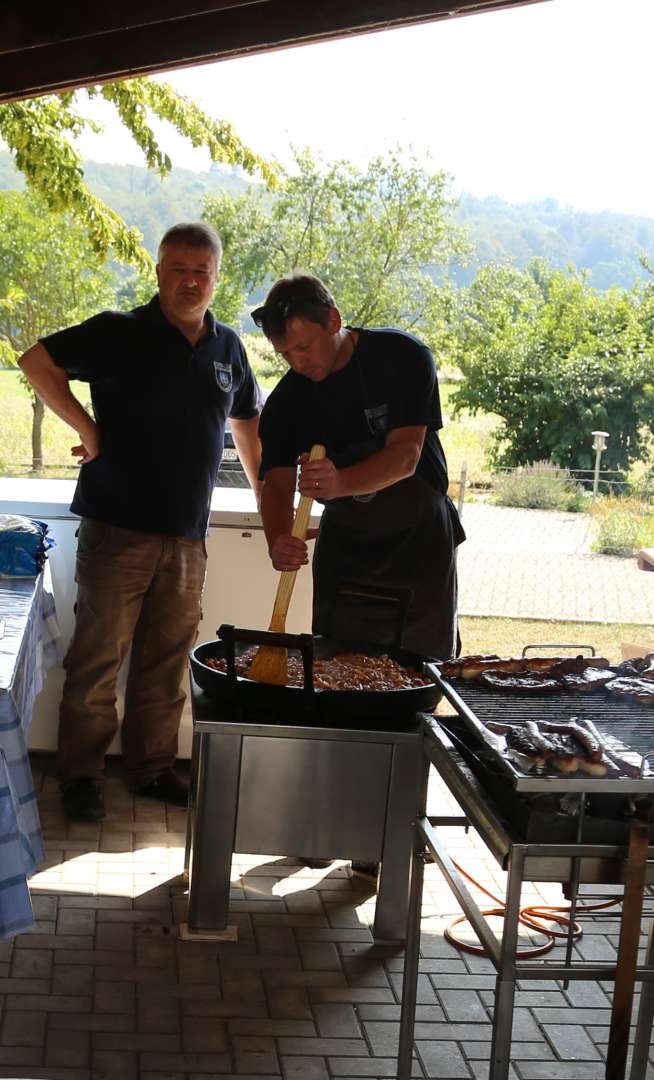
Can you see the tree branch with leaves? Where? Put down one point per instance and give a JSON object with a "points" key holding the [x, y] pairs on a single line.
{"points": [[40, 135]]}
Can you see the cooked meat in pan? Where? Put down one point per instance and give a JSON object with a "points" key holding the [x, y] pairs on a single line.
{"points": [[346, 671]]}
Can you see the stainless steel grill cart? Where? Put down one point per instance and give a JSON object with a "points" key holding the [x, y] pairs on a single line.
{"points": [[519, 818]]}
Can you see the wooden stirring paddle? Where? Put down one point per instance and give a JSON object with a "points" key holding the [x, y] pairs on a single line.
{"points": [[270, 665]]}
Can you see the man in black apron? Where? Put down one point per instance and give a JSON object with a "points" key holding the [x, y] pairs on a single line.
{"points": [[371, 397]]}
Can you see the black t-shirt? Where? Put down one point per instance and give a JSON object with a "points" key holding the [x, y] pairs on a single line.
{"points": [[389, 382], [161, 406]]}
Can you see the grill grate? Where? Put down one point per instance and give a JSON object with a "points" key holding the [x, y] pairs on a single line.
{"points": [[627, 724], [630, 722]]}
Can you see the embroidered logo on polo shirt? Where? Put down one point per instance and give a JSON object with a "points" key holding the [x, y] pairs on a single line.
{"points": [[377, 419], [223, 375]]}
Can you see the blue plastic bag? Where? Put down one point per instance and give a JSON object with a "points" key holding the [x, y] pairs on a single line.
{"points": [[23, 546]]}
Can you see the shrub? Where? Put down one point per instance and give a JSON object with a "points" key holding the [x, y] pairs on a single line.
{"points": [[556, 359], [267, 365], [624, 525], [539, 487]]}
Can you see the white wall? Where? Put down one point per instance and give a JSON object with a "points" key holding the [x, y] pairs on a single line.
{"points": [[240, 587]]}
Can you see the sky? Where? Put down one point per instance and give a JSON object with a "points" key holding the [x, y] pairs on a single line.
{"points": [[548, 100]]}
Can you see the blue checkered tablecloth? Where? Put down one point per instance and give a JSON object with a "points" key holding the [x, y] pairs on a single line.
{"points": [[29, 645]]}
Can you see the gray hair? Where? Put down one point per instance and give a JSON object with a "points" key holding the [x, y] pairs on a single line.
{"points": [[195, 234]]}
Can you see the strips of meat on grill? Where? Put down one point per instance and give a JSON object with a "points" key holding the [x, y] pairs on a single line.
{"points": [[640, 689], [533, 674], [564, 747], [615, 757]]}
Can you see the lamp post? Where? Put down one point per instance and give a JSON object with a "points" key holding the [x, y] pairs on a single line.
{"points": [[599, 444]]}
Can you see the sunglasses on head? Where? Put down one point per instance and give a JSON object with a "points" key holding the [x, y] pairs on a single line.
{"points": [[272, 314]]}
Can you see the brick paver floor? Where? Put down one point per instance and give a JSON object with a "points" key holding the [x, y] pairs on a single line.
{"points": [[538, 564], [104, 989]]}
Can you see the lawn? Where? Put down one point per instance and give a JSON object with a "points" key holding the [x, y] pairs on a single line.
{"points": [[507, 637], [16, 429], [465, 440]]}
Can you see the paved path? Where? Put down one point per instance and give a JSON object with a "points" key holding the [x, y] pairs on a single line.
{"points": [[104, 987], [537, 564]]}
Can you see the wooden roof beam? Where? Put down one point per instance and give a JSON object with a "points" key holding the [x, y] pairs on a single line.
{"points": [[148, 36]]}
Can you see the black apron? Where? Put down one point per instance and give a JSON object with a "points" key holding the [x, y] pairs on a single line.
{"points": [[399, 543]]}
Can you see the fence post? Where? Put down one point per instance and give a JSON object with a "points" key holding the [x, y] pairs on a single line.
{"points": [[599, 444], [462, 486]]}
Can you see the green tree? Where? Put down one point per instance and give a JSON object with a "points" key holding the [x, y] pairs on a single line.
{"points": [[39, 135], [556, 360], [245, 230], [374, 236], [50, 277]]}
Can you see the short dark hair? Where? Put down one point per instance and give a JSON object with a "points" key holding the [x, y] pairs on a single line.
{"points": [[300, 295], [195, 234]]}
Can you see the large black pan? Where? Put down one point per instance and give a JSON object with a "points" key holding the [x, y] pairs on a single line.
{"points": [[255, 700]]}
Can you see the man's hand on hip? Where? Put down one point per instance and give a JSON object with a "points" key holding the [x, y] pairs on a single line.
{"points": [[89, 448]]}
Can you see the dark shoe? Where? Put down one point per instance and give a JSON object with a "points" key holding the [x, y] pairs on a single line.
{"points": [[368, 871], [82, 798], [168, 787], [315, 864]]}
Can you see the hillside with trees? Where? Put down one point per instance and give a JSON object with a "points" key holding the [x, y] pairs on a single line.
{"points": [[607, 244], [541, 348]]}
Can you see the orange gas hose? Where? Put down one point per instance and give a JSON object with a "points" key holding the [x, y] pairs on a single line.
{"points": [[530, 916]]}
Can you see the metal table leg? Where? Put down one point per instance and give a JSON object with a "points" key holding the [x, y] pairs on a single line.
{"points": [[625, 974], [506, 976], [216, 800], [190, 817], [575, 876], [645, 1021], [409, 774], [411, 965]]}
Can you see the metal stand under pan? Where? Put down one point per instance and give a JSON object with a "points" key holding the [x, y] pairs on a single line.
{"points": [[328, 782]]}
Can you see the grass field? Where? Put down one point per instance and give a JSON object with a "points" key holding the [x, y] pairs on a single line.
{"points": [[16, 431], [508, 637], [465, 440]]}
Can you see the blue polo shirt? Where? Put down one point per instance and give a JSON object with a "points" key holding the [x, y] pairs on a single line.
{"points": [[161, 406]]}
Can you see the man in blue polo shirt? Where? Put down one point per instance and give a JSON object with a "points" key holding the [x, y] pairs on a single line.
{"points": [[164, 378]]}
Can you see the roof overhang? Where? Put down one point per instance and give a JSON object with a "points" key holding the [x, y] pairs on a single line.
{"points": [[49, 46]]}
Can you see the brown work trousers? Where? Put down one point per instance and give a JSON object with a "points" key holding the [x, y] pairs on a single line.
{"points": [[139, 589]]}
